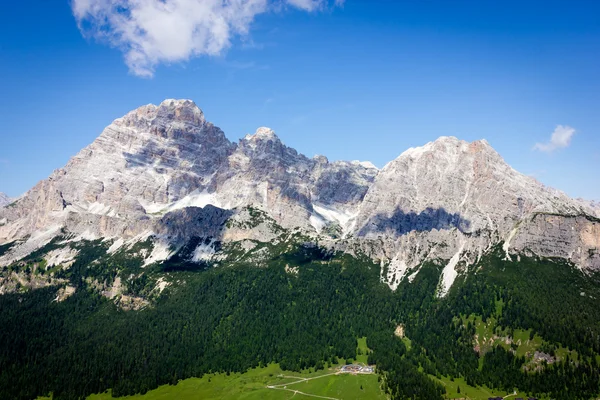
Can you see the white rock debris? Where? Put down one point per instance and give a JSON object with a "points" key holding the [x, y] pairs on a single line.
{"points": [[162, 284], [64, 256], [204, 252], [449, 274]]}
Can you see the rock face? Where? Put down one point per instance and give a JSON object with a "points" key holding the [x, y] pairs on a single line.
{"points": [[156, 170], [451, 198], [594, 205], [4, 200]]}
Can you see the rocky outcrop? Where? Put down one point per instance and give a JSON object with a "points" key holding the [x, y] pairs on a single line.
{"points": [[4, 200], [575, 238], [593, 205], [262, 171], [166, 172]]}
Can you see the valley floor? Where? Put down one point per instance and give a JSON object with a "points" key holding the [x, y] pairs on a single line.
{"points": [[270, 383]]}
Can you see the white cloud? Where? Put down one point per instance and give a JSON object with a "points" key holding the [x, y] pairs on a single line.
{"points": [[561, 138], [306, 5], [150, 32]]}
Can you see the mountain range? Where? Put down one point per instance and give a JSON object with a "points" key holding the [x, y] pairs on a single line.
{"points": [[154, 173], [164, 251]]}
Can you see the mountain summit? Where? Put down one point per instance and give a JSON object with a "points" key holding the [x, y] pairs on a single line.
{"points": [[152, 174]]}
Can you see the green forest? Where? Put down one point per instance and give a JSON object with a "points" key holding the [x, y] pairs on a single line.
{"points": [[233, 318]]}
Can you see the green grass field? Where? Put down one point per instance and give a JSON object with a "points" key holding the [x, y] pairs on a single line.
{"points": [[362, 351], [253, 385], [470, 392]]}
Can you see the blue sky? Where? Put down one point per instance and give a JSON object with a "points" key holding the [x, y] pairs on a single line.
{"points": [[360, 80]]}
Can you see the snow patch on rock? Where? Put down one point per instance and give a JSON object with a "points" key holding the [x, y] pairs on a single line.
{"points": [[195, 199], [330, 214]]}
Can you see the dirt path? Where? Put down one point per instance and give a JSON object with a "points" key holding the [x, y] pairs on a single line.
{"points": [[284, 386], [299, 380], [302, 393]]}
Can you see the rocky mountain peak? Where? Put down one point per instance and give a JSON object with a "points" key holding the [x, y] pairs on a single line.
{"points": [[321, 159], [181, 111], [170, 118], [264, 143], [466, 196], [263, 133], [450, 146], [264, 139]]}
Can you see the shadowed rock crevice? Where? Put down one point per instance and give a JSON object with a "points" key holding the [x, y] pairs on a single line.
{"points": [[194, 222], [339, 186], [189, 229], [401, 223]]}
